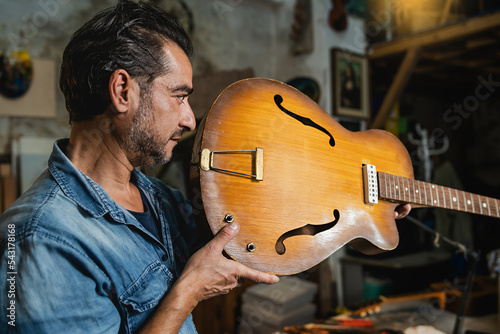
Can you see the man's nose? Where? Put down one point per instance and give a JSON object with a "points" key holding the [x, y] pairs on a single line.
{"points": [[188, 121]]}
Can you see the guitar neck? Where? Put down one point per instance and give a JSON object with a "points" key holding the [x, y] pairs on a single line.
{"points": [[406, 190]]}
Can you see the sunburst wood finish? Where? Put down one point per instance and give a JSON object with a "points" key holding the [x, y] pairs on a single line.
{"points": [[306, 179], [310, 201]]}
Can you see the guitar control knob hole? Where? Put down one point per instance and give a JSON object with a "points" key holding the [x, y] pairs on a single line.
{"points": [[228, 218]]}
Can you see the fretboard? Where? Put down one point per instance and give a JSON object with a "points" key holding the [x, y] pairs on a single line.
{"points": [[402, 189]]}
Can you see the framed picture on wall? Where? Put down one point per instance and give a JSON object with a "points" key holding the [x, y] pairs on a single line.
{"points": [[350, 86], [352, 123]]}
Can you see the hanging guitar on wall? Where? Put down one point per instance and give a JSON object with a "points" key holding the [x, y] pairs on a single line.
{"points": [[337, 18], [299, 184]]}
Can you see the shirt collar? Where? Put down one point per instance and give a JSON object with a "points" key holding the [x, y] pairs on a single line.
{"points": [[89, 195]]}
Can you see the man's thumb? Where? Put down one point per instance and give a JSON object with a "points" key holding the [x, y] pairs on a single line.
{"points": [[225, 235]]}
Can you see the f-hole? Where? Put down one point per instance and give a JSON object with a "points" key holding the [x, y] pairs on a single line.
{"points": [[308, 229], [278, 99]]}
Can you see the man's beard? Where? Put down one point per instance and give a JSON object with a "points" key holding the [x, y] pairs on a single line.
{"points": [[143, 146]]}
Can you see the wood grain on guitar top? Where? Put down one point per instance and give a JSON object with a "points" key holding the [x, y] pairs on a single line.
{"points": [[306, 178]]}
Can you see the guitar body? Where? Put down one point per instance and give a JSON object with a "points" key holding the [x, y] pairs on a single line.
{"points": [[310, 201]]}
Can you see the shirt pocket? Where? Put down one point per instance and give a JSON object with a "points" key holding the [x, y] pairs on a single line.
{"points": [[140, 298]]}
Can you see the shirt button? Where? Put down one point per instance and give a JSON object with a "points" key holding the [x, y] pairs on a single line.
{"points": [[164, 257]]}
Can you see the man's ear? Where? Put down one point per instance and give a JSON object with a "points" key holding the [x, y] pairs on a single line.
{"points": [[121, 90]]}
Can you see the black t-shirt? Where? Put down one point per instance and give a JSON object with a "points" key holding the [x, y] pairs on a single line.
{"points": [[147, 219]]}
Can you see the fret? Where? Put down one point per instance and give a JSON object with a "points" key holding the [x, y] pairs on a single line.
{"points": [[438, 196], [484, 204], [419, 192], [429, 187], [450, 199], [385, 182], [480, 204], [413, 190], [386, 186], [404, 190], [393, 187], [409, 190], [424, 185], [380, 184], [422, 191], [399, 189], [465, 201], [390, 186], [425, 193], [436, 201], [393, 190], [470, 202], [428, 191], [473, 205], [396, 195], [432, 197]]}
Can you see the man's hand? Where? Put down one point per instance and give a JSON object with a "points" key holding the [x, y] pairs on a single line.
{"points": [[212, 274], [207, 274], [402, 211]]}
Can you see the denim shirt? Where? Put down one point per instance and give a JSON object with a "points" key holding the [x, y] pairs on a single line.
{"points": [[74, 261]]}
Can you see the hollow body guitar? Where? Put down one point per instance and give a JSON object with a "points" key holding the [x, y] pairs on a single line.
{"points": [[299, 184]]}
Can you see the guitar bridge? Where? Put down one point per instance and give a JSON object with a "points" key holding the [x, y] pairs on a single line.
{"points": [[207, 162], [370, 184]]}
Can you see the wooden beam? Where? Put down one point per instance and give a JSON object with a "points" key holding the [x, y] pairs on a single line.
{"points": [[442, 55], [445, 13], [426, 69], [442, 34], [478, 65], [480, 42], [398, 84]]}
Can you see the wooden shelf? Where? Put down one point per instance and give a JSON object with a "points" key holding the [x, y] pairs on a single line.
{"points": [[447, 59]]}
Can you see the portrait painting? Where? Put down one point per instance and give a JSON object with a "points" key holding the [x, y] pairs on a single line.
{"points": [[349, 84]]}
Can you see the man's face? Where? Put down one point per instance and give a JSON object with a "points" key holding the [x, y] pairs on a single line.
{"points": [[163, 113]]}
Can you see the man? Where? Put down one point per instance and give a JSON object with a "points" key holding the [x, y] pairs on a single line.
{"points": [[95, 246]]}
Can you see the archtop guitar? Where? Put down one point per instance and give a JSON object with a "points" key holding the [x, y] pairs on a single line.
{"points": [[299, 184]]}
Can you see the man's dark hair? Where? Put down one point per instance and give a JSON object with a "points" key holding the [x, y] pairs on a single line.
{"points": [[129, 36]]}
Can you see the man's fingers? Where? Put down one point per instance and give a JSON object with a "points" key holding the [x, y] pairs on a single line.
{"points": [[257, 276], [402, 211], [224, 235]]}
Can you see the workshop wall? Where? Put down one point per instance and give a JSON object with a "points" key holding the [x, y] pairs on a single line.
{"points": [[228, 35]]}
